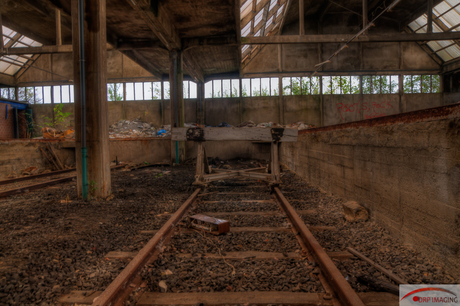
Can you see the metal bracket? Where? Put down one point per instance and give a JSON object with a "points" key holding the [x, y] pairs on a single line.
{"points": [[195, 134], [277, 134]]}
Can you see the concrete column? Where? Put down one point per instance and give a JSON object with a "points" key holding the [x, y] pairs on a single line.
{"points": [[201, 102], [177, 102], [281, 100], [97, 129]]}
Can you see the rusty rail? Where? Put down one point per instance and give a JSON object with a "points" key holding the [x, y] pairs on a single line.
{"points": [[28, 188], [26, 178], [345, 293], [115, 291]]}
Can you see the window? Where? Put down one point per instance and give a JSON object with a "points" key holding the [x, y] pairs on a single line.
{"points": [[208, 90], [380, 84], [245, 87], [156, 90], [226, 89], [217, 89], [421, 84], [274, 86], [235, 88], [255, 87]]}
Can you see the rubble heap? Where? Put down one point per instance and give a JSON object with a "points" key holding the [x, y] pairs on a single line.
{"points": [[134, 128]]}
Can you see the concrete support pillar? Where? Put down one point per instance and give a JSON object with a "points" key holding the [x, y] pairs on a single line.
{"points": [[97, 129], [201, 103], [177, 102], [281, 100]]}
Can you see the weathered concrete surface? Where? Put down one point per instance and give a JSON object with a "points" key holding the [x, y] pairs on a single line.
{"points": [[17, 155], [406, 175], [150, 150]]}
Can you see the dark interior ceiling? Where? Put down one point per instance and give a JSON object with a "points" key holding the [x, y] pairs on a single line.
{"points": [[191, 19]]}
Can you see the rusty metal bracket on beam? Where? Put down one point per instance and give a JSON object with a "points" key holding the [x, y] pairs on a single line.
{"points": [[345, 293]]}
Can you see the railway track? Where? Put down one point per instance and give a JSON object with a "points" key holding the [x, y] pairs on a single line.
{"points": [[268, 257], [28, 183]]}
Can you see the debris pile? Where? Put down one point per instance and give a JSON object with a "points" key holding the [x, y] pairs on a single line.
{"points": [[298, 125], [50, 133], [131, 128]]}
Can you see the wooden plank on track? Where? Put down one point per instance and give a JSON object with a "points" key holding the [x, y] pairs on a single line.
{"points": [[225, 298], [235, 134], [256, 255], [242, 201], [257, 213], [155, 298], [250, 230]]}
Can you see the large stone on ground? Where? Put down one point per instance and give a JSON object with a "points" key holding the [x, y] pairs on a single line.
{"points": [[353, 212]]}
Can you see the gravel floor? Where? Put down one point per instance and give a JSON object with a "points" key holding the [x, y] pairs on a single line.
{"points": [[210, 275], [50, 246], [234, 242], [237, 206]]}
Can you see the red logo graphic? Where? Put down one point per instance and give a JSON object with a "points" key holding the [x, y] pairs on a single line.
{"points": [[417, 299]]}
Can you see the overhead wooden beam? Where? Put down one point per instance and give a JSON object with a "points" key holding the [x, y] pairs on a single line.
{"points": [[192, 67], [58, 27], [160, 23], [1, 32], [188, 43], [14, 26], [301, 17], [341, 38], [365, 13], [429, 26]]}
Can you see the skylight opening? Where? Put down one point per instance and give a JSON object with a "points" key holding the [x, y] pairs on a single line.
{"points": [[272, 4], [246, 30], [11, 64], [246, 8], [446, 18], [258, 17]]}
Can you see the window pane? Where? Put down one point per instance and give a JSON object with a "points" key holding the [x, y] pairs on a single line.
{"points": [[375, 84], [193, 90], [217, 89], [166, 90], [30, 95], [305, 85], [327, 85], [246, 87], [385, 79], [407, 84], [255, 87], [57, 94], [366, 84], [65, 94], [156, 90], [265, 84], [208, 90], [345, 85], [394, 84], [435, 84], [147, 90], [4, 93], [110, 91], [274, 86], [416, 84], [130, 91], [47, 94], [335, 85], [355, 85], [38, 95], [139, 91], [185, 89], [296, 89], [426, 80], [315, 86], [22, 94], [226, 88], [235, 88], [12, 94], [287, 86]]}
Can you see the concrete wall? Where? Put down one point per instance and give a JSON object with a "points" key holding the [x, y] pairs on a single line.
{"points": [[357, 58], [119, 66], [404, 169]]}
